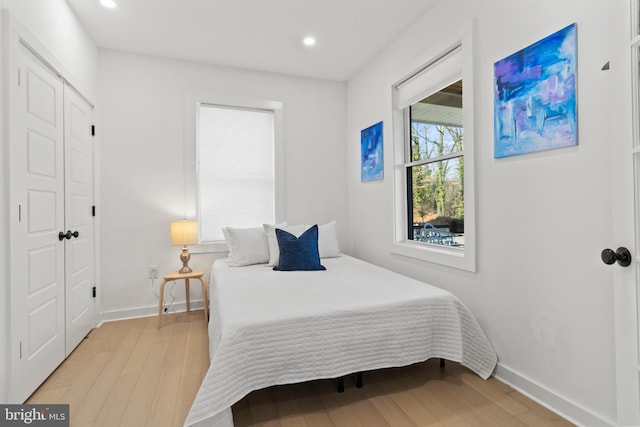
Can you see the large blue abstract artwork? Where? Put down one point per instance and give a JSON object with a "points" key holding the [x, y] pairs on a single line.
{"points": [[535, 96], [371, 153]]}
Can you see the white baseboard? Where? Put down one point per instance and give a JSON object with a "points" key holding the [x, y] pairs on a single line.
{"points": [[133, 313], [551, 400]]}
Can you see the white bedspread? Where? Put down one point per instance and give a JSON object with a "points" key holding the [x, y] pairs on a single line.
{"points": [[279, 327]]}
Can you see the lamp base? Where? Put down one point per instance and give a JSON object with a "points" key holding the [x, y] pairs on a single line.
{"points": [[185, 257]]}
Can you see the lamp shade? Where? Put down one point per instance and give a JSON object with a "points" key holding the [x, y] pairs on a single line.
{"points": [[184, 233]]}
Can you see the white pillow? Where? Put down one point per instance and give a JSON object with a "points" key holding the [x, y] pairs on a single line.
{"points": [[328, 240], [272, 241], [246, 246]]}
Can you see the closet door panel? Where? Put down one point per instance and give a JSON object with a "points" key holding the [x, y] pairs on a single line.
{"points": [[80, 304], [37, 255]]}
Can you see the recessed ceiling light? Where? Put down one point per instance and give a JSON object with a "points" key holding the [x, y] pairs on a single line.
{"points": [[309, 41], [109, 4]]}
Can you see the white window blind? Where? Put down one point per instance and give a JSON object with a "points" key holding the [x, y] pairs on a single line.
{"points": [[236, 181], [430, 79]]}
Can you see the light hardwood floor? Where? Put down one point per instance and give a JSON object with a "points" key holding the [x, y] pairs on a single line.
{"points": [[130, 373]]}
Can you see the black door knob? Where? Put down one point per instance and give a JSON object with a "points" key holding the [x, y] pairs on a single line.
{"points": [[621, 255], [68, 235]]}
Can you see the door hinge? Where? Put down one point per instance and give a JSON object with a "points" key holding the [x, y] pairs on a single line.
{"points": [[93, 211], [18, 77], [19, 213], [93, 130], [93, 291], [20, 349]]}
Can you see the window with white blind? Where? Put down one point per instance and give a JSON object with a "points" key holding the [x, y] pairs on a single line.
{"points": [[433, 151], [236, 180]]}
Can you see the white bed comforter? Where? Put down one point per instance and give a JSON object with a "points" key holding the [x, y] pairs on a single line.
{"points": [[279, 327]]}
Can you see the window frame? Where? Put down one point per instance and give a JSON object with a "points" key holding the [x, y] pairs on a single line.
{"points": [[191, 161], [460, 258]]}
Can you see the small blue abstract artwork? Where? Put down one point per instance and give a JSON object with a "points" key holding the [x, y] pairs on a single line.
{"points": [[371, 153], [535, 96]]}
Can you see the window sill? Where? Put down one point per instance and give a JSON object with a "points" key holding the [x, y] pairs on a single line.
{"points": [[447, 256], [209, 247]]}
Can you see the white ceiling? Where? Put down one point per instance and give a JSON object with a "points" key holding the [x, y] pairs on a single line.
{"points": [[262, 35]]}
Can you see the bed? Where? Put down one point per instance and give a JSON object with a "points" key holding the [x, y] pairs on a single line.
{"points": [[281, 327]]}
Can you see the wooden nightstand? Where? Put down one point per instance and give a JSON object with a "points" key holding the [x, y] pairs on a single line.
{"points": [[195, 274]]}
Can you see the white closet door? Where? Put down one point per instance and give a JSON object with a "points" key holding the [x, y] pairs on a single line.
{"points": [[37, 258], [79, 249]]}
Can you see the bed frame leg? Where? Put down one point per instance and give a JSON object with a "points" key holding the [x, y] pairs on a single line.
{"points": [[341, 385], [441, 363], [359, 379]]}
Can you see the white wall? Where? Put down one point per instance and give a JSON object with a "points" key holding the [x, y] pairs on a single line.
{"points": [[51, 28], [540, 292], [145, 183]]}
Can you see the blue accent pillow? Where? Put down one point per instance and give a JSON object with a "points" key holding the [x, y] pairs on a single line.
{"points": [[298, 253]]}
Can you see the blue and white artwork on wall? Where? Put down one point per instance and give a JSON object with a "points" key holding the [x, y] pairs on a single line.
{"points": [[371, 160], [535, 96]]}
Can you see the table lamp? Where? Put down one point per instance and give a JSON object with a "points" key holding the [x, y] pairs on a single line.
{"points": [[184, 233]]}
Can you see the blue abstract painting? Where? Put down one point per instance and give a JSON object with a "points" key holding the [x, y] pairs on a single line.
{"points": [[371, 153], [535, 96]]}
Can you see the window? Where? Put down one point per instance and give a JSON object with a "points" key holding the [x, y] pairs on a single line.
{"points": [[236, 181], [435, 169], [434, 197]]}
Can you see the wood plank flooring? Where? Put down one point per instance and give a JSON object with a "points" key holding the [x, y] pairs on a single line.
{"points": [[130, 373]]}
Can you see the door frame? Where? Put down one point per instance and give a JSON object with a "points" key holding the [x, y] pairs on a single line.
{"points": [[625, 192]]}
